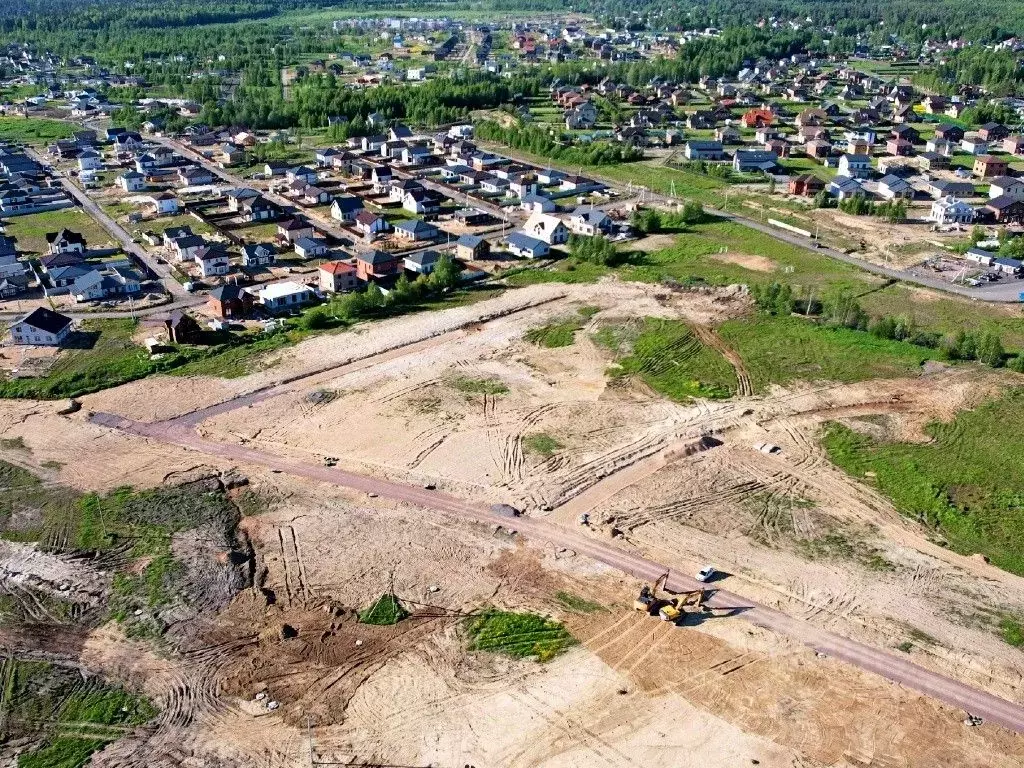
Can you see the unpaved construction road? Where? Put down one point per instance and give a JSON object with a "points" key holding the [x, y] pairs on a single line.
{"points": [[888, 665]]}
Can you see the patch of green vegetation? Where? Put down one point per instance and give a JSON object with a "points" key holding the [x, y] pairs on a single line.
{"points": [[588, 311], [64, 713], [1012, 631], [541, 444], [776, 350], [521, 635], [668, 356], [470, 386], [34, 130], [233, 361], [385, 611], [561, 333], [578, 604], [965, 483], [32, 228], [13, 444], [52, 464], [31, 510], [906, 646], [843, 546]]}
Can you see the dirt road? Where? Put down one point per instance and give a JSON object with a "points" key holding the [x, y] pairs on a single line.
{"points": [[891, 666]]}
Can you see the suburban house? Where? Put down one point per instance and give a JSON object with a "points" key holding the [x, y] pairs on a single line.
{"points": [[194, 176], [230, 301], [337, 277], [753, 160], [42, 326], [949, 210], [1006, 210], [845, 187], [538, 204], [376, 264], [993, 132], [891, 187], [164, 204], [1007, 266], [258, 255], [65, 241], [990, 166], [979, 256], [345, 207], [286, 295], [1011, 186], [293, 229], [704, 150], [182, 328], [131, 181], [259, 208], [415, 230], [237, 197], [213, 261], [90, 160], [589, 222], [806, 185], [973, 146], [525, 246], [472, 247], [186, 247], [310, 247], [422, 263], [855, 166], [370, 224], [101, 284], [421, 201], [546, 227]]}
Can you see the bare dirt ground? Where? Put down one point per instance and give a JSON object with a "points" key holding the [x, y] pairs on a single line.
{"points": [[404, 400], [746, 260]]}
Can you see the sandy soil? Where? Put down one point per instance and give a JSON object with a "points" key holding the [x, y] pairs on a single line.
{"points": [[746, 260], [392, 401]]}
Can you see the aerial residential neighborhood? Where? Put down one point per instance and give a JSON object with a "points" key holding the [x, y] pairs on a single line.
{"points": [[509, 385]]}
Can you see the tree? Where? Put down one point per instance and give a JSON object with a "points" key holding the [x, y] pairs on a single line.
{"points": [[990, 350]]}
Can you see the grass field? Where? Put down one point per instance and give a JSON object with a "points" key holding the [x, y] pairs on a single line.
{"points": [[34, 130], [777, 350], [541, 444], [522, 635], [31, 230], [966, 484], [67, 717], [669, 358]]}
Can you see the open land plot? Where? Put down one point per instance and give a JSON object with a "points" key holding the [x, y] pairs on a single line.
{"points": [[31, 229], [475, 400]]}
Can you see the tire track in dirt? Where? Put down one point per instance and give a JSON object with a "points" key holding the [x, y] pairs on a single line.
{"points": [[710, 338]]}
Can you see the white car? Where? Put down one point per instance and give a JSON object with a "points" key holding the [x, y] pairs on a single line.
{"points": [[706, 573]]}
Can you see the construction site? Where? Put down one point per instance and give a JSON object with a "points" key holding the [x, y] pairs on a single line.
{"points": [[716, 591]]}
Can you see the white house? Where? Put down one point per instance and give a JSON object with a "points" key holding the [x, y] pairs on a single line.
{"points": [[546, 227], [589, 222], [525, 246], [90, 160], [213, 261], [42, 326], [891, 187], [1010, 186], [165, 204], [854, 166], [131, 181], [286, 295], [950, 210], [973, 146]]}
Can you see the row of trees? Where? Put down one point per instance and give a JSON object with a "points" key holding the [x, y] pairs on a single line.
{"points": [[537, 141], [373, 302], [859, 205], [839, 309]]}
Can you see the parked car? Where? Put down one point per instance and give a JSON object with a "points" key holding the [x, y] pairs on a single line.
{"points": [[705, 574]]}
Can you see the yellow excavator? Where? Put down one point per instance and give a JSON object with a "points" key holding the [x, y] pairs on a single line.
{"points": [[648, 597], [675, 610]]}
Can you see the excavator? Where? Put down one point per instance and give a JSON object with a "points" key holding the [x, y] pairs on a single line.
{"points": [[675, 610], [648, 597]]}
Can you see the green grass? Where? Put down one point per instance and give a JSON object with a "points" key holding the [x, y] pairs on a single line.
{"points": [[560, 333], [520, 635], [34, 130], [1012, 631], [471, 386], [965, 484], [668, 357], [777, 350], [541, 444], [385, 611], [63, 714], [31, 230], [577, 604]]}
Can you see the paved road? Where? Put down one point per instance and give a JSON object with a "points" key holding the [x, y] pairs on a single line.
{"points": [[1002, 292], [891, 666], [189, 300], [127, 243]]}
